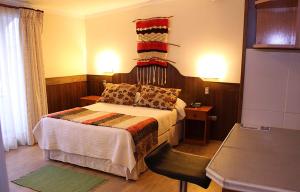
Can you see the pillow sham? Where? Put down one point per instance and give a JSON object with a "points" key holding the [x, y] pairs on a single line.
{"points": [[123, 94], [158, 97]]}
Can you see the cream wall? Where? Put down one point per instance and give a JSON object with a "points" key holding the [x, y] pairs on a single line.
{"points": [[201, 27], [64, 48]]}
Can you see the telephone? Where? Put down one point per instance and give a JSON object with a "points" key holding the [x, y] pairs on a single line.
{"points": [[195, 104]]}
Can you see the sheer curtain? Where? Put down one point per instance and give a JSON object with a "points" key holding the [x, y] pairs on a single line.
{"points": [[13, 106]]}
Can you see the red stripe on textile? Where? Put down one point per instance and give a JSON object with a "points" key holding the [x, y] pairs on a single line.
{"points": [[152, 23], [152, 45], [134, 129], [62, 112], [90, 121], [152, 62]]}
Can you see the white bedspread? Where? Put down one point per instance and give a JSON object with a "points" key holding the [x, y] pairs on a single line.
{"points": [[95, 141]]}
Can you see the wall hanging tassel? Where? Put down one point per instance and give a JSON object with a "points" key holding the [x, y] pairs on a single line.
{"points": [[150, 80], [158, 76], [152, 49], [154, 71], [140, 72], [165, 76], [162, 76], [143, 75], [147, 76], [150, 77], [137, 75], [142, 78]]}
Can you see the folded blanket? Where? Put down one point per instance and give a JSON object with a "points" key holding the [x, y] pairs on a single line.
{"points": [[144, 130]]}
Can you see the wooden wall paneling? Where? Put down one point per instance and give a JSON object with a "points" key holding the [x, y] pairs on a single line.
{"points": [[95, 83], [225, 99], [64, 92], [66, 79]]}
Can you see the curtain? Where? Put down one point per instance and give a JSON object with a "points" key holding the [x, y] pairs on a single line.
{"points": [[23, 99], [31, 24], [13, 107]]}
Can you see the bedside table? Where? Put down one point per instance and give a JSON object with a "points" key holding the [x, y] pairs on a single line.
{"points": [[88, 100], [198, 114]]}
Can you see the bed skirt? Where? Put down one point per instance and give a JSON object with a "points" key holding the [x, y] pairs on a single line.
{"points": [[173, 135]]}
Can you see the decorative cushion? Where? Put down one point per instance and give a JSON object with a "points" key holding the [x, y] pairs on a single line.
{"points": [[158, 97], [123, 94]]}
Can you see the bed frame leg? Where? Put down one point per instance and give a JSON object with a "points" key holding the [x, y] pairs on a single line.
{"points": [[183, 186]]}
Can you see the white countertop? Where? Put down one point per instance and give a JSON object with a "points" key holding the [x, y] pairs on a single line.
{"points": [[256, 160]]}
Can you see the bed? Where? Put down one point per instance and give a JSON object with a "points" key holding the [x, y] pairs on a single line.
{"points": [[111, 150], [106, 149]]}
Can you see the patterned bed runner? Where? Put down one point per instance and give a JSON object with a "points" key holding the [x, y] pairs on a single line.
{"points": [[144, 130]]}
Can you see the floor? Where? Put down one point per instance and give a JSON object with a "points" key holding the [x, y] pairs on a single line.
{"points": [[27, 159]]}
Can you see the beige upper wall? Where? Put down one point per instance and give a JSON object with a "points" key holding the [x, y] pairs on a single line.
{"points": [[64, 48], [201, 27]]}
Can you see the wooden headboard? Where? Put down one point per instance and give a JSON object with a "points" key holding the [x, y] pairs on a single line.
{"points": [[224, 97], [192, 87]]}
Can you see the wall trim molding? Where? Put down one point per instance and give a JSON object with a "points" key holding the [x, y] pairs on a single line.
{"points": [[65, 79]]}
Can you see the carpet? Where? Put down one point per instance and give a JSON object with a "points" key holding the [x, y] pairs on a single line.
{"points": [[57, 179]]}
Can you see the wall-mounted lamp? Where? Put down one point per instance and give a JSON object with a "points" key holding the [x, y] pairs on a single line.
{"points": [[212, 67], [107, 62]]}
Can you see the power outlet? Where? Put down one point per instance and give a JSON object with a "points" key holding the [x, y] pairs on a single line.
{"points": [[206, 90], [213, 118]]}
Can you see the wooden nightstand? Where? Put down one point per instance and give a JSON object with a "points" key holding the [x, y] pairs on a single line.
{"points": [[198, 114], [88, 100]]}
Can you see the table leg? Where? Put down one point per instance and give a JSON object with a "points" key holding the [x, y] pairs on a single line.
{"points": [[205, 131]]}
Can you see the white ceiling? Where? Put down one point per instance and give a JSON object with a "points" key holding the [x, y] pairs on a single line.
{"points": [[76, 7]]}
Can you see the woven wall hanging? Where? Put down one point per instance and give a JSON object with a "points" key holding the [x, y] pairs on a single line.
{"points": [[152, 48]]}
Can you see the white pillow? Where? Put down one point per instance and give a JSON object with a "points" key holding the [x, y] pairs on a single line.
{"points": [[179, 106]]}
